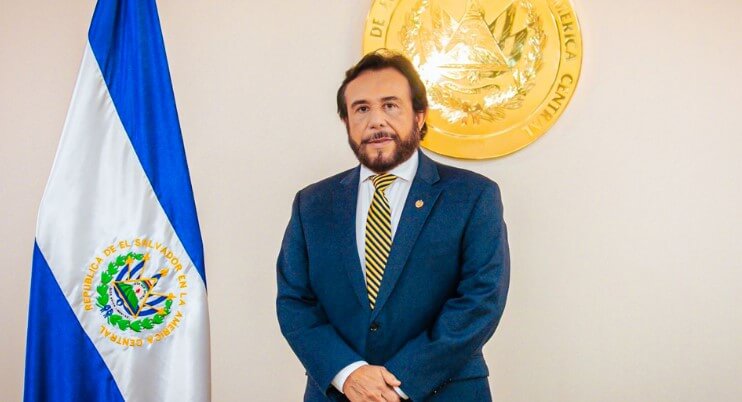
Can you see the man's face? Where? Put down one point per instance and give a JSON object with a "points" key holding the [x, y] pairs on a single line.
{"points": [[383, 129]]}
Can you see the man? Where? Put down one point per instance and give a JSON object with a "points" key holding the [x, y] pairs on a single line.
{"points": [[393, 275]]}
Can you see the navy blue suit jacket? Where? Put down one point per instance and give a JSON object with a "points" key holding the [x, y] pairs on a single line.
{"points": [[441, 297]]}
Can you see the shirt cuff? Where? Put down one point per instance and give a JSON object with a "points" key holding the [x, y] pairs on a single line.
{"points": [[401, 393], [341, 376]]}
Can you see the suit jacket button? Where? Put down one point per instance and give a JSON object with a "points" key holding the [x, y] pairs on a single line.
{"points": [[374, 327]]}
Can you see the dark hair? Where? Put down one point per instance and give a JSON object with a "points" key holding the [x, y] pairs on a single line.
{"points": [[381, 59]]}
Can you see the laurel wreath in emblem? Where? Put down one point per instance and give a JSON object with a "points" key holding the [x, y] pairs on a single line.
{"points": [[462, 61], [134, 295]]}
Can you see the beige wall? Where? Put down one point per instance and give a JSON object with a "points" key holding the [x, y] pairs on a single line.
{"points": [[625, 223]]}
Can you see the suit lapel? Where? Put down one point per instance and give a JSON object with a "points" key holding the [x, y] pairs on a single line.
{"points": [[345, 198], [410, 224]]}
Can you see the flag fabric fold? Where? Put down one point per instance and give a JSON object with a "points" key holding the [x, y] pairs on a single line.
{"points": [[118, 308]]}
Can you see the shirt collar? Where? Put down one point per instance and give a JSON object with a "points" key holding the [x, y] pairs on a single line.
{"points": [[405, 170]]}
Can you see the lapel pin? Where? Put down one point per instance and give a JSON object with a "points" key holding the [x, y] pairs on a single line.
{"points": [[419, 204]]}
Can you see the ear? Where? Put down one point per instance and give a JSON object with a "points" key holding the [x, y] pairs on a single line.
{"points": [[420, 118]]}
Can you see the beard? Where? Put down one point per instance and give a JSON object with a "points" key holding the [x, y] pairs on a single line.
{"points": [[375, 161]]}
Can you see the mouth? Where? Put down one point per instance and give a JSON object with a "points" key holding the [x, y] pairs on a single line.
{"points": [[380, 139]]}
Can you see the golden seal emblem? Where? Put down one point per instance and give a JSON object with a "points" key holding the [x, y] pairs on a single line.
{"points": [[499, 73]]}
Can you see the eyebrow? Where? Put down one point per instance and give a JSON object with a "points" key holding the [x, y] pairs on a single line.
{"points": [[384, 99], [358, 102]]}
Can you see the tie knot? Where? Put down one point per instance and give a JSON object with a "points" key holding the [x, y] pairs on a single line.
{"points": [[382, 181]]}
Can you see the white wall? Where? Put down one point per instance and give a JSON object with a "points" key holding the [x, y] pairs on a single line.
{"points": [[624, 219]]}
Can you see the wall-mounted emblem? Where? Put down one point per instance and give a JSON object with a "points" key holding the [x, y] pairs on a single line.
{"points": [[499, 73]]}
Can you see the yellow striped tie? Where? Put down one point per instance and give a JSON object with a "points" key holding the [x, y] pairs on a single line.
{"points": [[378, 235]]}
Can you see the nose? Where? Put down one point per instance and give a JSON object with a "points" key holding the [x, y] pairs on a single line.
{"points": [[377, 119]]}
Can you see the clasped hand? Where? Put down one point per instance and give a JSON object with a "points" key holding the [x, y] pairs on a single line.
{"points": [[371, 384]]}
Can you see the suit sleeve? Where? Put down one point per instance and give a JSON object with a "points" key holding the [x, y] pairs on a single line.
{"points": [[302, 320], [469, 319]]}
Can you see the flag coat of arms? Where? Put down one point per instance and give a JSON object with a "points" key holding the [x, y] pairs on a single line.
{"points": [[118, 307]]}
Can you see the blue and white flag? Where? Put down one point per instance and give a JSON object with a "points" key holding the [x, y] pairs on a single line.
{"points": [[118, 306]]}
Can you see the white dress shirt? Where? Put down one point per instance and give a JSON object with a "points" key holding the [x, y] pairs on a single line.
{"points": [[396, 193]]}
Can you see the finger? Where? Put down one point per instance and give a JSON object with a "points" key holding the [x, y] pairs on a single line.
{"points": [[376, 398], [390, 396], [389, 378]]}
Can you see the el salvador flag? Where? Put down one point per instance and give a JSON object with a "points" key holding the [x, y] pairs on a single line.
{"points": [[118, 307]]}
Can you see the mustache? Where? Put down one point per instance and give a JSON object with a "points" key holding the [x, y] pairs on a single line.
{"points": [[380, 135]]}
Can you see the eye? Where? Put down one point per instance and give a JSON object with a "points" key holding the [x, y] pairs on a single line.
{"points": [[362, 109], [390, 105]]}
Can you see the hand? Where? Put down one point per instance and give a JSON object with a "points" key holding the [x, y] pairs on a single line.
{"points": [[371, 384]]}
